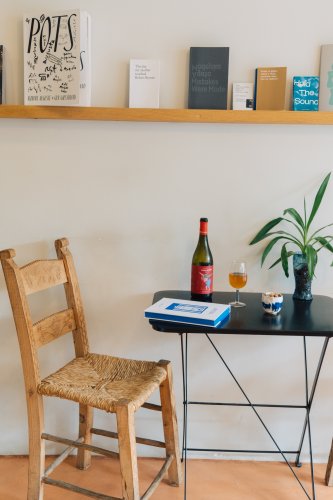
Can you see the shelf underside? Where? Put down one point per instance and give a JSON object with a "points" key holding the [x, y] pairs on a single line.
{"points": [[166, 115]]}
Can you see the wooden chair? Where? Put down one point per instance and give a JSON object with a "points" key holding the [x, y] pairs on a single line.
{"points": [[116, 385], [329, 468]]}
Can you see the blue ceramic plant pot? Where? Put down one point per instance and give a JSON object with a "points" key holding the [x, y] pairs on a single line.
{"points": [[302, 278]]}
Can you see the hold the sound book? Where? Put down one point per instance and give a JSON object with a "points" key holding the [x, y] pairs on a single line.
{"points": [[305, 93], [57, 58], [208, 77], [188, 311]]}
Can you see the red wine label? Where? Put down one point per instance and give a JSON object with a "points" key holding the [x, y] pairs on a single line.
{"points": [[202, 279]]}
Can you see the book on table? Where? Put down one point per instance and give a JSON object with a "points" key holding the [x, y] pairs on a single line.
{"points": [[208, 78], [57, 58], [144, 83], [188, 311], [305, 93], [326, 78], [270, 92]]}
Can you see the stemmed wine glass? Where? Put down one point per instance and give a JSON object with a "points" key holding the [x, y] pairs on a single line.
{"points": [[237, 279]]}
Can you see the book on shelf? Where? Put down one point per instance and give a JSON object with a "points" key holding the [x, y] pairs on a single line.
{"points": [[305, 93], [2, 75], [57, 58], [144, 83], [242, 96], [188, 311], [326, 78], [270, 88], [208, 78]]}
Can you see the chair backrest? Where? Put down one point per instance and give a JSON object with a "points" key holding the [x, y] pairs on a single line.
{"points": [[34, 277]]}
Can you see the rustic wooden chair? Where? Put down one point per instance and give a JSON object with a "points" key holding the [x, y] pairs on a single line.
{"points": [[329, 468], [116, 385]]}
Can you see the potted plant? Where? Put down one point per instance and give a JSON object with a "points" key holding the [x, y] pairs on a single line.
{"points": [[302, 243]]}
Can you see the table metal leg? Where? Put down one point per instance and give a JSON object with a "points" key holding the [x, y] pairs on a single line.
{"points": [[309, 400], [258, 416], [185, 406]]}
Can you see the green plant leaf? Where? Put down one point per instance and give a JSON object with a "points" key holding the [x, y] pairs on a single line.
{"points": [[318, 199], [318, 230], [305, 214], [289, 237], [325, 243], [269, 247], [299, 229], [289, 254], [311, 258], [284, 259], [296, 216], [262, 234]]}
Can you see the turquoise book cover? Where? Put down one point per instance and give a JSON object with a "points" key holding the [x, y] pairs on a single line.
{"points": [[306, 93]]}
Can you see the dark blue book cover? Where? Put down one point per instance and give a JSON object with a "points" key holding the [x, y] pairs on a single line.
{"points": [[208, 78], [306, 93], [1, 75]]}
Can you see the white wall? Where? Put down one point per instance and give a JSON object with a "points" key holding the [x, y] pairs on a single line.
{"points": [[129, 197]]}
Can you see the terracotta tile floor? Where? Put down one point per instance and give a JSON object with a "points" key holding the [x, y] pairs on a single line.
{"points": [[207, 480]]}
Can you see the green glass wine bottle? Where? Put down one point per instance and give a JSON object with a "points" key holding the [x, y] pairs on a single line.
{"points": [[202, 266]]}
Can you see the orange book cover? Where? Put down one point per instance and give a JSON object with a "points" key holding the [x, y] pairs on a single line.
{"points": [[271, 87]]}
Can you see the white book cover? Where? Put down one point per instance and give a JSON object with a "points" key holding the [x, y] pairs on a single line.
{"points": [[53, 59], [326, 78], [144, 83], [188, 311], [242, 96]]}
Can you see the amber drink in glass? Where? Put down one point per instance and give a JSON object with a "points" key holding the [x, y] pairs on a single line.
{"points": [[237, 279]]}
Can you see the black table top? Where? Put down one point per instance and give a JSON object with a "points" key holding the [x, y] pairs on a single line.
{"points": [[297, 318]]}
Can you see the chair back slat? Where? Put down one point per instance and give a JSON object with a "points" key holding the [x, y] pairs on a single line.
{"points": [[34, 277], [42, 274], [53, 327]]}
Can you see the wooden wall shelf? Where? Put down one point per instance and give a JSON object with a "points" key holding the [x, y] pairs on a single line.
{"points": [[166, 115]]}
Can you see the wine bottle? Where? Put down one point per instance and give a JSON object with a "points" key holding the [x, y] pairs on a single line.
{"points": [[202, 266]]}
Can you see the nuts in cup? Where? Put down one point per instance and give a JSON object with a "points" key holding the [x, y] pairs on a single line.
{"points": [[272, 302]]}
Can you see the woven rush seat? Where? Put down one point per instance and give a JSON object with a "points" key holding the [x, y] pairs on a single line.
{"points": [[102, 381]]}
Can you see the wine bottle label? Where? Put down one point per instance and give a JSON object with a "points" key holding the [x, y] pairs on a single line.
{"points": [[202, 279]]}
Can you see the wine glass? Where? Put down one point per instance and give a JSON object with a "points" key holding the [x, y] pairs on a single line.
{"points": [[237, 279]]}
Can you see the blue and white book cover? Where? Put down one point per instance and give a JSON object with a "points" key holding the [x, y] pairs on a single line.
{"points": [[306, 93], [188, 311]]}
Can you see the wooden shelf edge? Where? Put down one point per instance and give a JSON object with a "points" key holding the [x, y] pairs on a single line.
{"points": [[166, 115]]}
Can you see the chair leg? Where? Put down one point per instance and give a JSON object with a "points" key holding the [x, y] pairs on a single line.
{"points": [[329, 472], [36, 446], [86, 421], [170, 425], [127, 451]]}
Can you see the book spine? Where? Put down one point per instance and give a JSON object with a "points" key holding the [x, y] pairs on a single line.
{"points": [[85, 59], [2, 75]]}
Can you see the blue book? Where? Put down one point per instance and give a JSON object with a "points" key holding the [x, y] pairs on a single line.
{"points": [[306, 93], [187, 311]]}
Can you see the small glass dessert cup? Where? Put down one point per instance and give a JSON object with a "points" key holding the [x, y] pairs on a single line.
{"points": [[272, 302]]}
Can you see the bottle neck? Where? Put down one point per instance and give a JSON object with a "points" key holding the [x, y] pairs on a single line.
{"points": [[203, 228]]}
